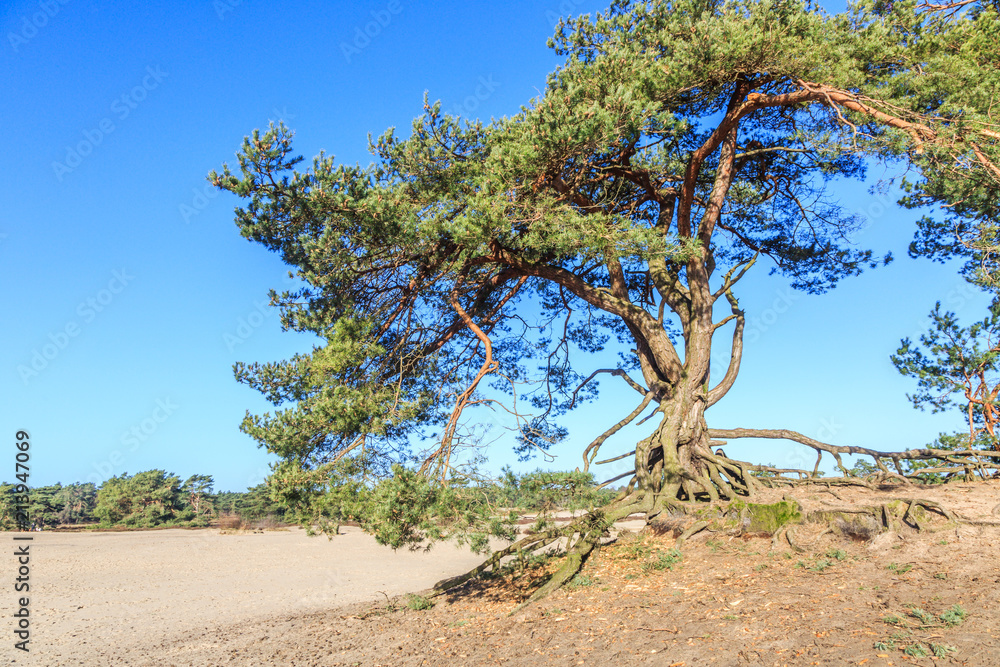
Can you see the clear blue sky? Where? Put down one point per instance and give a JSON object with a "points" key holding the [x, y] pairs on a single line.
{"points": [[128, 292]]}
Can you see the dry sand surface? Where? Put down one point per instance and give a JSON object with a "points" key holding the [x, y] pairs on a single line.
{"points": [[280, 598], [99, 595]]}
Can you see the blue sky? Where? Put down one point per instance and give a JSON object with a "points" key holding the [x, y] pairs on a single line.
{"points": [[128, 292]]}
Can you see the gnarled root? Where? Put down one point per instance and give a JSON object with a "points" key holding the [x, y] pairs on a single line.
{"points": [[588, 530], [529, 543], [575, 560], [691, 531]]}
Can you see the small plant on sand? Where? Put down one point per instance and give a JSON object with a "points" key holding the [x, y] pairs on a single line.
{"points": [[581, 580], [954, 615], [942, 650], [820, 565], [837, 554], [916, 651], [636, 550], [922, 616], [665, 560], [899, 569], [418, 602], [892, 619]]}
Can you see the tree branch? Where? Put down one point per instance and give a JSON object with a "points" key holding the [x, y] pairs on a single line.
{"points": [[721, 389], [595, 446]]}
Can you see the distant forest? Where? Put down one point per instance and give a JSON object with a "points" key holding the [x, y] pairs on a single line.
{"points": [[156, 498], [144, 500]]}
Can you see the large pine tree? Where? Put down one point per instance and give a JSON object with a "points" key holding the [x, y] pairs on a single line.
{"points": [[680, 145]]}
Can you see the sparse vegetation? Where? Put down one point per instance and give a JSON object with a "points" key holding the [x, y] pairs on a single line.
{"points": [[954, 615], [922, 616], [942, 650], [820, 565], [664, 560], [581, 581], [418, 602]]}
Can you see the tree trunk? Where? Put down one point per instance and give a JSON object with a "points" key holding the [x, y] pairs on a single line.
{"points": [[676, 462]]}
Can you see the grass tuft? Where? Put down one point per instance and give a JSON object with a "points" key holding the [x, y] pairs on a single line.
{"points": [[418, 602]]}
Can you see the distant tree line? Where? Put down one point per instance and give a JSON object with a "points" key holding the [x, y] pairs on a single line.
{"points": [[156, 498], [146, 499]]}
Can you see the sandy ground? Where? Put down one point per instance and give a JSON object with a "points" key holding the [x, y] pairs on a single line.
{"points": [[96, 595], [281, 598]]}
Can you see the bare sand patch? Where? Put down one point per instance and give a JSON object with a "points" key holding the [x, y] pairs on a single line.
{"points": [[95, 596]]}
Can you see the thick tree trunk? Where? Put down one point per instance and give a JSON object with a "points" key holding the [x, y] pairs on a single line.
{"points": [[676, 463]]}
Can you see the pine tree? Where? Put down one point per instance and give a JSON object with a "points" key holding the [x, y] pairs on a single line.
{"points": [[679, 146]]}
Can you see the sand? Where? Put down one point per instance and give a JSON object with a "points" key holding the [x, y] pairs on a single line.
{"points": [[95, 596], [199, 597]]}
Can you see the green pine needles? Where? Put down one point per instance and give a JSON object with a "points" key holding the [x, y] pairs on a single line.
{"points": [[513, 265]]}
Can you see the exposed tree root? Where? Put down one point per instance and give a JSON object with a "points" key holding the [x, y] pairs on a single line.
{"points": [[964, 461], [781, 533], [575, 559], [529, 543], [885, 516], [691, 531], [801, 548], [722, 479]]}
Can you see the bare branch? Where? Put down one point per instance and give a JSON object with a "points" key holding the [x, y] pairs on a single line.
{"points": [[783, 434], [613, 371], [721, 389], [591, 451]]}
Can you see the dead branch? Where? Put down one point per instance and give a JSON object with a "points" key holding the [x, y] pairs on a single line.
{"points": [[591, 451], [895, 457]]}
